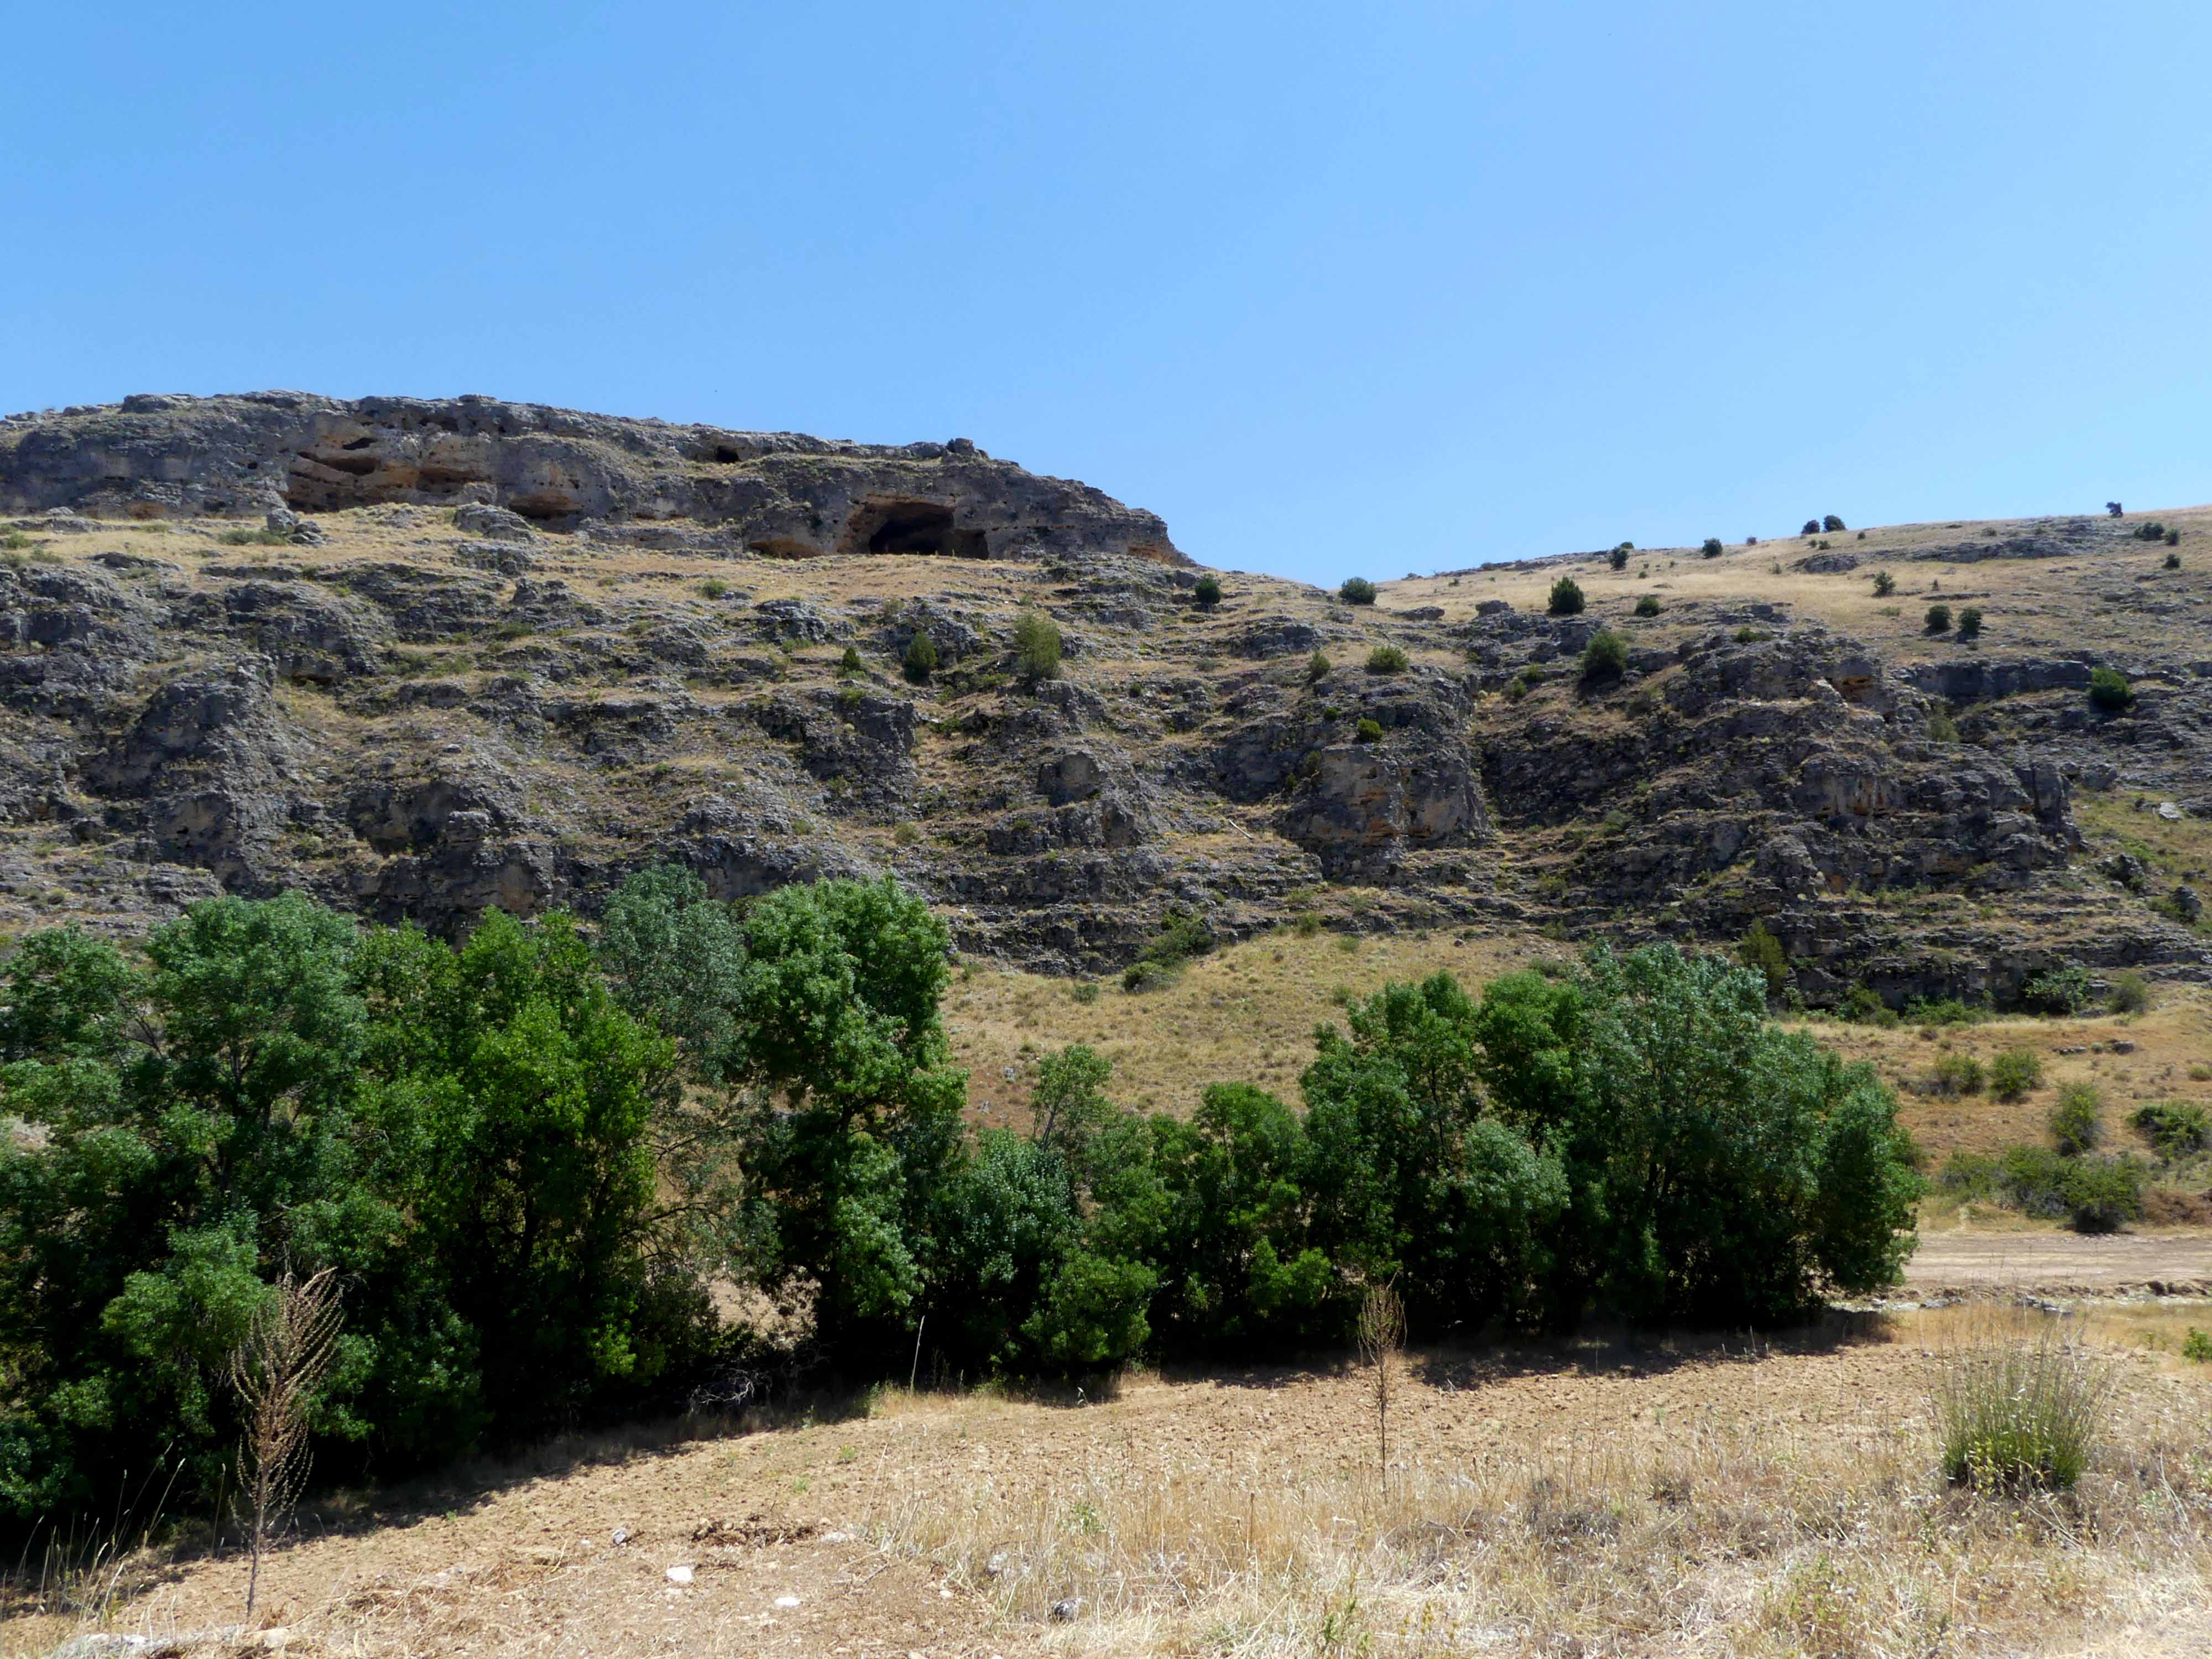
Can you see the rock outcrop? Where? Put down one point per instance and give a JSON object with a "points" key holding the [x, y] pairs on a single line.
{"points": [[509, 466]]}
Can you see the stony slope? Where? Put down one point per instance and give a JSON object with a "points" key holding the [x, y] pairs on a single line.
{"points": [[494, 655]]}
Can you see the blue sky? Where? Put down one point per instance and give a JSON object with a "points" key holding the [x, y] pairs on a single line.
{"points": [[1335, 289]]}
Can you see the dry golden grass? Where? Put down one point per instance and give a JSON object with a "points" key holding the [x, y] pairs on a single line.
{"points": [[1243, 1014], [1607, 1495], [2031, 605]]}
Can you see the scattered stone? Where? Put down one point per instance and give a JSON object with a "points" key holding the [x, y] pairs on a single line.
{"points": [[680, 1573], [1063, 1611]]}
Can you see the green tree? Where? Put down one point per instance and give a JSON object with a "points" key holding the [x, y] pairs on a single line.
{"points": [[852, 1112], [1606, 656], [1036, 646], [919, 660], [1207, 591], [1357, 590], [1567, 598]]}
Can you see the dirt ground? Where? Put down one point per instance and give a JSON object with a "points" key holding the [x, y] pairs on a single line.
{"points": [[1610, 1494], [2048, 1263]]}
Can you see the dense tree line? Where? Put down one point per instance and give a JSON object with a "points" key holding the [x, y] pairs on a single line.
{"points": [[533, 1157]]}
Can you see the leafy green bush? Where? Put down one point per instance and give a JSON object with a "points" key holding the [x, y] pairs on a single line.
{"points": [[2197, 1346], [1938, 619], [1970, 622], [1941, 728], [2102, 1193], [2058, 990], [1036, 646], [1606, 656], [1943, 1011], [1648, 605], [1386, 659], [1357, 590], [1957, 1075], [2078, 1122], [1368, 731], [1712, 547], [2020, 1412], [1884, 584], [2129, 993], [2172, 561], [1763, 953], [1863, 1005], [1207, 591], [1317, 666], [2174, 1128], [2109, 691], [921, 658], [1619, 557], [1831, 524], [2150, 530], [1567, 598], [2014, 1073], [1811, 527]]}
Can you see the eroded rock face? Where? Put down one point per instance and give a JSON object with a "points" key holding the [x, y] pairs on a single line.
{"points": [[201, 773], [469, 692], [511, 466]]}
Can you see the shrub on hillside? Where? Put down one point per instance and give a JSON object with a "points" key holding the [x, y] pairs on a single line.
{"points": [[2129, 993], [1831, 524], [2174, 1128], [1619, 557], [1712, 547], [1357, 590], [2014, 1073], [1763, 953], [1811, 527], [2063, 990], [1317, 666], [1567, 598], [2078, 1122], [1938, 619], [1884, 584], [1368, 731], [1970, 622], [1606, 656], [1648, 605], [1036, 646], [1207, 591], [1956, 1074], [2109, 691], [2172, 561], [1386, 659], [919, 660]]}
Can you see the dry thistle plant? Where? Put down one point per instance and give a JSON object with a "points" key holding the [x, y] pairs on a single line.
{"points": [[1381, 1335], [287, 1351]]}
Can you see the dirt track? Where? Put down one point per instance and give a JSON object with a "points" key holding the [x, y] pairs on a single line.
{"points": [[2059, 1262]]}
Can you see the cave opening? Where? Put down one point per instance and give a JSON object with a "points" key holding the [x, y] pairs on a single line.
{"points": [[925, 527]]}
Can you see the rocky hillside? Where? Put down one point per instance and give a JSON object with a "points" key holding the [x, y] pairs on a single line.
{"points": [[421, 657]]}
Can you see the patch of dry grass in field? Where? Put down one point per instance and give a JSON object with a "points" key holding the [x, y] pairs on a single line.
{"points": [[1243, 1014], [1622, 1495]]}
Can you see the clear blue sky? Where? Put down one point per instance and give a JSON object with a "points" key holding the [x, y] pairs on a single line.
{"points": [[1334, 288]]}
